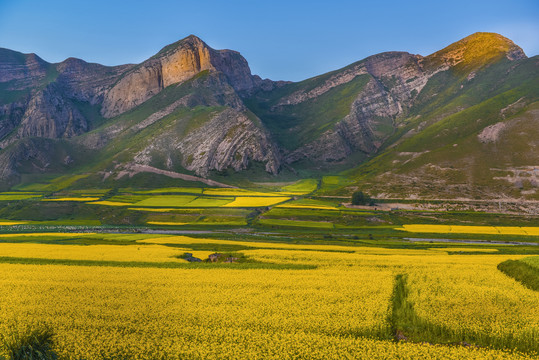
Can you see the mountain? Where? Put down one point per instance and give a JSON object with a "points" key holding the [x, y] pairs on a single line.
{"points": [[179, 110], [397, 124]]}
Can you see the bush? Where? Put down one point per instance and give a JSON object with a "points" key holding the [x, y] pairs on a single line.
{"points": [[33, 344], [359, 198]]}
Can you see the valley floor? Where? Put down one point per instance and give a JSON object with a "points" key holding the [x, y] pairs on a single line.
{"points": [[215, 273]]}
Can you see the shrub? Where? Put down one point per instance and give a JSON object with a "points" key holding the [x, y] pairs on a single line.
{"points": [[359, 198]]}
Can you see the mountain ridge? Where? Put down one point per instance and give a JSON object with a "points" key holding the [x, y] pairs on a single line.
{"points": [[198, 110]]}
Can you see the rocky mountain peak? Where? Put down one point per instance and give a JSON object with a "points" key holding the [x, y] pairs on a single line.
{"points": [[477, 50], [175, 64], [192, 41], [15, 66]]}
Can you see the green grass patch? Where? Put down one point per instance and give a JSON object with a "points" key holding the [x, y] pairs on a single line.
{"points": [[11, 197], [206, 201], [216, 220], [30, 344], [295, 223], [128, 198], [166, 201], [56, 184], [332, 183], [532, 261], [523, 272], [304, 186]]}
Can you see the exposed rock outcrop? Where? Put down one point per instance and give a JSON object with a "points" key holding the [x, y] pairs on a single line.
{"points": [[51, 115], [22, 70], [396, 78], [175, 63], [228, 139]]}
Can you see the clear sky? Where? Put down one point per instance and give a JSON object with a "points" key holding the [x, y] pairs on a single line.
{"points": [[281, 39]]}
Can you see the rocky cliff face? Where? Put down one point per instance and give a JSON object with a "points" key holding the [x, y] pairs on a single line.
{"points": [[394, 80], [228, 139], [37, 99], [50, 115], [174, 64], [87, 82]]}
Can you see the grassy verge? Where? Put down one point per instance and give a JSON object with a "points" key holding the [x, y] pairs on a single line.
{"points": [[524, 273]]}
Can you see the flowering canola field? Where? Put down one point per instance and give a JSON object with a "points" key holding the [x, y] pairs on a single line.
{"points": [[342, 309], [464, 229]]}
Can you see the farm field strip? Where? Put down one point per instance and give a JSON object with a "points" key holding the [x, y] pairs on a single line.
{"points": [[146, 253], [48, 234], [109, 203], [239, 192], [293, 206], [9, 223], [464, 249], [72, 199], [180, 190], [462, 229], [256, 201], [191, 201], [12, 197], [309, 249], [297, 223], [165, 201]]}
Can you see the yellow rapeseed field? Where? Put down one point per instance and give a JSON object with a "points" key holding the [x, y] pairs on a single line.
{"points": [[109, 203], [469, 295], [8, 223], [460, 229], [144, 253], [237, 192], [50, 234], [256, 201], [173, 313], [341, 309]]}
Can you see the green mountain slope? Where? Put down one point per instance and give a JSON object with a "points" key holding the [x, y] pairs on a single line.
{"points": [[479, 140]]}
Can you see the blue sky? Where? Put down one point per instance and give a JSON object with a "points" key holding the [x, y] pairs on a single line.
{"points": [[281, 40]]}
